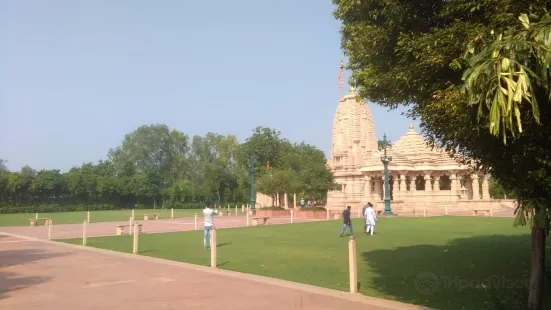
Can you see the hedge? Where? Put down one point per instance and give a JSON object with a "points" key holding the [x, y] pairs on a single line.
{"points": [[50, 208]]}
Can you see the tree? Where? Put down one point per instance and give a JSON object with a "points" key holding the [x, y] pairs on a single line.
{"points": [[383, 144], [436, 57]]}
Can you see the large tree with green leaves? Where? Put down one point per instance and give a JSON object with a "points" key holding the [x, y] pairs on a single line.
{"points": [[476, 73]]}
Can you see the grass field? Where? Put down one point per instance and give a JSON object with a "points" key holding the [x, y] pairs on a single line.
{"points": [[440, 262], [22, 219]]}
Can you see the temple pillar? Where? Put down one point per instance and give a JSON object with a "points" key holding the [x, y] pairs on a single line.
{"points": [[395, 187], [428, 186], [485, 187], [411, 184], [367, 187], [403, 189], [475, 186], [377, 189], [453, 188], [437, 183]]}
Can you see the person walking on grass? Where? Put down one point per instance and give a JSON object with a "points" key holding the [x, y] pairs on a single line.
{"points": [[363, 215], [347, 221], [208, 213], [370, 218]]}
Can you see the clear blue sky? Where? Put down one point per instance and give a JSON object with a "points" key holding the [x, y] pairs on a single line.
{"points": [[76, 76]]}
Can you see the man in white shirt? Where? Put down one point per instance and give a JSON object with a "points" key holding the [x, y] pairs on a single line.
{"points": [[208, 212]]}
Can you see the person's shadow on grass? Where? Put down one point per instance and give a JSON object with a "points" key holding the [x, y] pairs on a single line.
{"points": [[488, 272]]}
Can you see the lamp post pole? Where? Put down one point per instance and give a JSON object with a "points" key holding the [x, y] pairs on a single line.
{"points": [[386, 159], [252, 162]]}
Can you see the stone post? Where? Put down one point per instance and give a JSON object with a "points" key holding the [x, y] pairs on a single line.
{"points": [[88, 217], [130, 226], [352, 266], [171, 213], [195, 221], [235, 209], [36, 215], [84, 237], [485, 187], [292, 214], [133, 214], [247, 218], [50, 229], [136, 234], [286, 202], [213, 248], [476, 187]]}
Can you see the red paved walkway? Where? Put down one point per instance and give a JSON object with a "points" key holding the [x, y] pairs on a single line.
{"points": [[52, 276]]}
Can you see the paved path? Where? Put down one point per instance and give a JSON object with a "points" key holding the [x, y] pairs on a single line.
{"points": [[38, 274]]}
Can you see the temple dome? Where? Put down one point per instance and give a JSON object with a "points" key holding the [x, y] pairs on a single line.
{"points": [[412, 149]]}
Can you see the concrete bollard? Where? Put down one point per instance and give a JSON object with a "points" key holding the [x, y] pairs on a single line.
{"points": [[50, 229], [213, 248], [133, 214], [195, 221], [247, 219], [353, 268], [136, 234], [242, 208], [84, 237], [171, 213], [130, 226]]}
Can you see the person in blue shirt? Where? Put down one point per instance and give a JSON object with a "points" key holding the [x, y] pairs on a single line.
{"points": [[347, 221]]}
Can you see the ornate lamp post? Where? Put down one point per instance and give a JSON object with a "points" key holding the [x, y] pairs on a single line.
{"points": [[386, 159], [252, 162]]}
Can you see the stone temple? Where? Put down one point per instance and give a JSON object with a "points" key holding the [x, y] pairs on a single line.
{"points": [[420, 176]]}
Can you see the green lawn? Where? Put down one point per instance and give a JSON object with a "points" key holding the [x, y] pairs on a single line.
{"points": [[476, 261], [22, 219]]}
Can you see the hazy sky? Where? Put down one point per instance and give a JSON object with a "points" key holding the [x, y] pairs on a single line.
{"points": [[76, 76]]}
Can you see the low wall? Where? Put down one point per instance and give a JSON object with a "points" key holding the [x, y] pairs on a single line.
{"points": [[273, 213], [311, 214]]}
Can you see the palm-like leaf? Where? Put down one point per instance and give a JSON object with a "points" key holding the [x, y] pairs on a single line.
{"points": [[502, 75]]}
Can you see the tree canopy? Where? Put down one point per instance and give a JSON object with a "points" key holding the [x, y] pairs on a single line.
{"points": [[158, 165]]}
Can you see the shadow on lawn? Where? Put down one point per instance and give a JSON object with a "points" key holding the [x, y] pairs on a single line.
{"points": [[11, 280], [488, 272]]}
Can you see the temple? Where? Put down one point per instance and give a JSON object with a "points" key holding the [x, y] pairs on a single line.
{"points": [[419, 176]]}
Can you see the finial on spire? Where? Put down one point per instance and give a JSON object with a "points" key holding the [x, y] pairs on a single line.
{"points": [[411, 127]]}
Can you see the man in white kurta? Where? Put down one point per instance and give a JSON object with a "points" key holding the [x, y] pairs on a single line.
{"points": [[370, 218]]}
